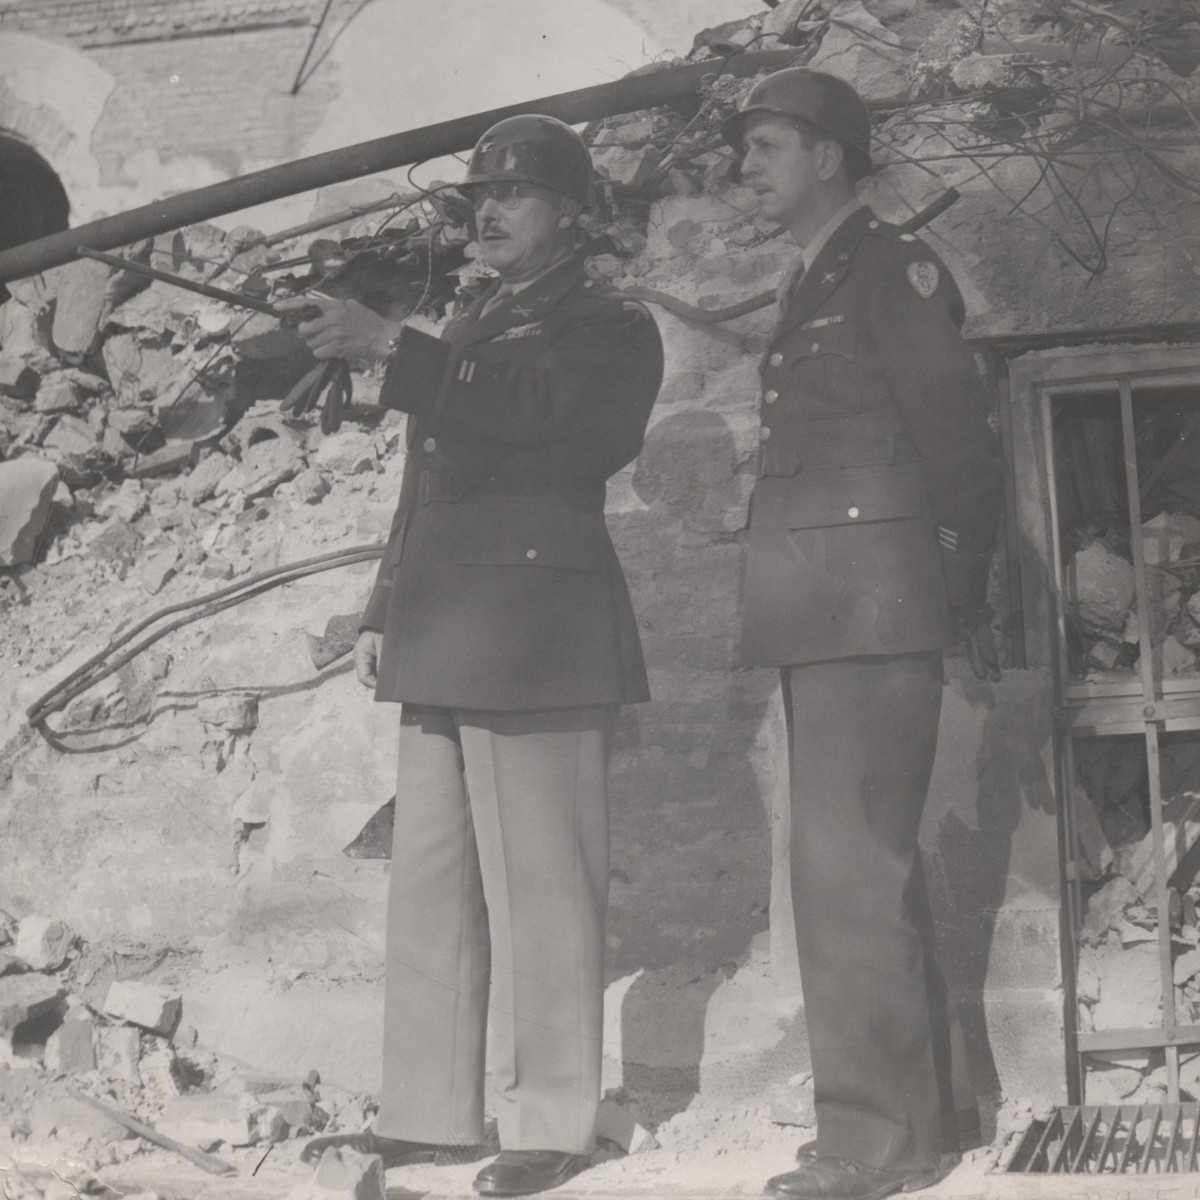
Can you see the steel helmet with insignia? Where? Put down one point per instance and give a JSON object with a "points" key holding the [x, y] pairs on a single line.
{"points": [[824, 101], [533, 149]]}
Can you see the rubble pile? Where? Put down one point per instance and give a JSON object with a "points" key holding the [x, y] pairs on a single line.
{"points": [[78, 1022], [1106, 625], [1119, 984]]}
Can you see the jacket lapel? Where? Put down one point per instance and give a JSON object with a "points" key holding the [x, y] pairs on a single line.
{"points": [[821, 280], [526, 306]]}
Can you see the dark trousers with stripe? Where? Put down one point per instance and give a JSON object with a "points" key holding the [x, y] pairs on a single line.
{"points": [[862, 739]]}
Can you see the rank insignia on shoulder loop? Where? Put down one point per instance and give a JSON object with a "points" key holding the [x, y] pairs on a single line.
{"points": [[829, 277], [924, 278]]}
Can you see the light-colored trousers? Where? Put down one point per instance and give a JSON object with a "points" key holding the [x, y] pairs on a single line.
{"points": [[499, 877]]}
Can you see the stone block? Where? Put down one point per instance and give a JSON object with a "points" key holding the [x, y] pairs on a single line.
{"points": [[237, 713], [81, 304], [71, 1048], [116, 542], [27, 487], [175, 456], [1130, 989], [154, 571], [17, 378], [792, 1103], [58, 393], [859, 47], [1100, 586], [25, 998], [142, 1004], [205, 1119], [201, 482], [43, 943], [347, 452], [311, 486], [54, 1113], [118, 1051], [264, 466], [345, 1172], [620, 1122], [70, 436]]}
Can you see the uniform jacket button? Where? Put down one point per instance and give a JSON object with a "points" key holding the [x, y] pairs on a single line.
{"points": [[816, 347], [429, 444], [763, 434], [852, 513], [771, 396], [531, 554], [776, 359]]}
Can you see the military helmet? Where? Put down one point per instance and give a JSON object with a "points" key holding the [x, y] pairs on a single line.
{"points": [[824, 101], [533, 149]]}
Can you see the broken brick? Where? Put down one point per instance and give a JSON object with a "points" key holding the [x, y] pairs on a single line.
{"points": [[173, 457], [142, 1004], [43, 943]]}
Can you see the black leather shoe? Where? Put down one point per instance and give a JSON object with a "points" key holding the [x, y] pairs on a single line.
{"points": [[841, 1179], [395, 1152], [519, 1172]]}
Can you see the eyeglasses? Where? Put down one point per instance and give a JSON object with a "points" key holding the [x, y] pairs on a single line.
{"points": [[507, 195]]}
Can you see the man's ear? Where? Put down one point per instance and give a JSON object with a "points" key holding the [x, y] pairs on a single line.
{"points": [[830, 157], [568, 211]]}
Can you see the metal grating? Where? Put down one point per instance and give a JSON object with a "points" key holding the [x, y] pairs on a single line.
{"points": [[1109, 1139]]}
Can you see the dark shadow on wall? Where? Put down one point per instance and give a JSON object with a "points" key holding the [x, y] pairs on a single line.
{"points": [[33, 202], [690, 825]]}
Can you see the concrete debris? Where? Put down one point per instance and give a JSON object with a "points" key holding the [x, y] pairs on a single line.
{"points": [[264, 467], [341, 632], [155, 570], [1101, 588], [311, 486], [793, 1104], [206, 1119], [25, 998], [1181, 829], [235, 713], [82, 301], [201, 482], [347, 452], [17, 378], [344, 1173], [142, 1004], [43, 943], [71, 1048], [27, 487], [59, 393], [164, 461], [619, 1122]]}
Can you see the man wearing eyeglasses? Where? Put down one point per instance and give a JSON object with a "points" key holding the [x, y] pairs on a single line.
{"points": [[501, 621]]}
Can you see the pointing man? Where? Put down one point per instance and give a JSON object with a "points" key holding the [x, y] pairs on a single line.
{"points": [[872, 526], [501, 622]]}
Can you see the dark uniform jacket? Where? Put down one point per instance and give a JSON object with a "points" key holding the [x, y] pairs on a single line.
{"points": [[878, 498], [500, 588]]}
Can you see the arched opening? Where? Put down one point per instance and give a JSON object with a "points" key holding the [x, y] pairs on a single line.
{"points": [[33, 201]]}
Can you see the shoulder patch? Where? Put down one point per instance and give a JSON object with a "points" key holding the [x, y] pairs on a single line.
{"points": [[924, 277]]}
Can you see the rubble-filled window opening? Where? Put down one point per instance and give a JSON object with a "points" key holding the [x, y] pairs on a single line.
{"points": [[1123, 462]]}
